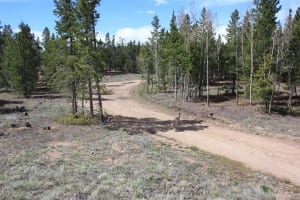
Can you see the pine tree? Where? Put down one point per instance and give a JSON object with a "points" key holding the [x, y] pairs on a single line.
{"points": [[206, 28], [46, 36], [185, 29], [175, 51], [68, 28], [248, 31], [265, 16], [145, 61], [21, 61], [155, 44], [293, 66], [233, 31], [88, 17]]}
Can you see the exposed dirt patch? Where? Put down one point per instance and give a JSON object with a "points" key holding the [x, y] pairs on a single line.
{"points": [[53, 155], [278, 156]]}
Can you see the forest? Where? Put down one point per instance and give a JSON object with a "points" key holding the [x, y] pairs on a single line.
{"points": [[258, 55]]}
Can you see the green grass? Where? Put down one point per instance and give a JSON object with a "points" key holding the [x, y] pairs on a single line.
{"points": [[6, 126], [70, 119], [194, 148], [265, 188]]}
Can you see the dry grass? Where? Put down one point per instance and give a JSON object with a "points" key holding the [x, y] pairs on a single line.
{"points": [[89, 162], [77, 162]]}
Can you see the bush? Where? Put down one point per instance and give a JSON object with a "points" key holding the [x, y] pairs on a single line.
{"points": [[76, 119], [194, 148]]}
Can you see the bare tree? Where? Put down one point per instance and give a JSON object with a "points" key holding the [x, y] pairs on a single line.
{"points": [[249, 33], [207, 29]]}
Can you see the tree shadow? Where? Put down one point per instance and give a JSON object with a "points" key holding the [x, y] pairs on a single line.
{"points": [[151, 125], [47, 95], [5, 102], [7, 110], [17, 109]]}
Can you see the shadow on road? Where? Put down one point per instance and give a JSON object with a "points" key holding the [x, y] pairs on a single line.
{"points": [[151, 125]]}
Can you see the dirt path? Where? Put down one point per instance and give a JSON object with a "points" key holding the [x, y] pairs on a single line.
{"points": [[277, 156]]}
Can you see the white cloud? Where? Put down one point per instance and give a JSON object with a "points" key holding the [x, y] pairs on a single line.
{"points": [[138, 34], [160, 2], [100, 36], [38, 34], [221, 30], [150, 12]]}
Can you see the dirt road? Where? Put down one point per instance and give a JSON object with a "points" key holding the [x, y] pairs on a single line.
{"points": [[277, 156]]}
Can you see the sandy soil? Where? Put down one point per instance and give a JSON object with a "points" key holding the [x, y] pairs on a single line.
{"points": [[276, 156]]}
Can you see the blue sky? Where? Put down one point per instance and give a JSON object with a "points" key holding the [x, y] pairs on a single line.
{"points": [[129, 19]]}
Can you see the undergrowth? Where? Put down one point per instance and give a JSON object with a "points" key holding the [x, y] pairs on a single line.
{"points": [[71, 119]]}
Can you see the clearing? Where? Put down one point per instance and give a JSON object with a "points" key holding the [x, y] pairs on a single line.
{"points": [[91, 162], [277, 156]]}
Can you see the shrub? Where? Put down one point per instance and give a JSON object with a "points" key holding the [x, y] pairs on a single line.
{"points": [[194, 148], [75, 119]]}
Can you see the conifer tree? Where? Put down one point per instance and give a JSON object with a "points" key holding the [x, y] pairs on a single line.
{"points": [[265, 17], [67, 27], [155, 44], [293, 66], [233, 31], [21, 61], [88, 17]]}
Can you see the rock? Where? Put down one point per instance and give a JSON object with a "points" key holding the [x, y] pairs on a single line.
{"points": [[13, 125], [48, 128], [1, 134], [28, 125], [20, 109]]}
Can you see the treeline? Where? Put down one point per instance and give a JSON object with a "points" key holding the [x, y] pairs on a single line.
{"points": [[187, 57], [259, 54], [19, 59], [71, 59]]}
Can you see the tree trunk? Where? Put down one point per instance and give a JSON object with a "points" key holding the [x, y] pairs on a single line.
{"points": [[218, 70], [74, 97], [207, 74], [290, 90], [152, 83], [236, 75], [233, 83], [175, 83], [252, 63], [243, 59], [91, 98], [157, 66], [83, 99], [101, 115], [147, 81], [181, 83], [271, 99]]}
